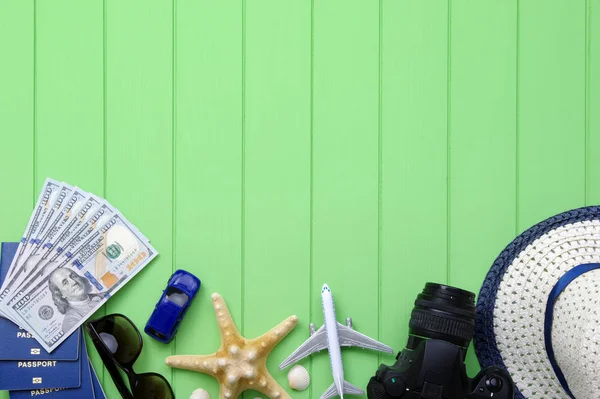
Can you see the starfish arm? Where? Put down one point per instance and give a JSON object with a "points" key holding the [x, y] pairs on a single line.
{"points": [[206, 364], [229, 390], [271, 338], [229, 332], [270, 388]]}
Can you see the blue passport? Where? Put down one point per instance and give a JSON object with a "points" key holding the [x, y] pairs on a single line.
{"points": [[27, 365], [85, 391], [98, 391]]}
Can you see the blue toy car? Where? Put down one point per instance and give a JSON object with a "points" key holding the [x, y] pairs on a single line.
{"points": [[172, 306]]}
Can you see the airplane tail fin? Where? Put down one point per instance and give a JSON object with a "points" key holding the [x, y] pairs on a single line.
{"points": [[351, 389], [348, 388]]}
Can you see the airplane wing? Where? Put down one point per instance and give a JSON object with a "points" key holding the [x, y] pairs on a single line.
{"points": [[316, 342], [350, 337]]}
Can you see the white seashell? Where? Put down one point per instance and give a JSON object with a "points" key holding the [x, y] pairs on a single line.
{"points": [[298, 378], [200, 394]]}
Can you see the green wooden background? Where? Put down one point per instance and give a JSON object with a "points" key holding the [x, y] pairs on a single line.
{"points": [[270, 146]]}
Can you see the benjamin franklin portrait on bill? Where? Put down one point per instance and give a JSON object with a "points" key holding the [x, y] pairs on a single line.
{"points": [[72, 295]]}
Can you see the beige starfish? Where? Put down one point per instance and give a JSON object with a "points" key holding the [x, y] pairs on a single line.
{"points": [[239, 364]]}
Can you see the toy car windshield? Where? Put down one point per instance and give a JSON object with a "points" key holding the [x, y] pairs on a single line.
{"points": [[176, 296]]}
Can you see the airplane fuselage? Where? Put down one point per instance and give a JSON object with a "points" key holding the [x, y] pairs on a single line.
{"points": [[333, 335], [333, 343]]}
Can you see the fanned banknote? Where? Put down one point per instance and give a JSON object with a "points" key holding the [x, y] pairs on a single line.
{"points": [[44, 201], [76, 252]]}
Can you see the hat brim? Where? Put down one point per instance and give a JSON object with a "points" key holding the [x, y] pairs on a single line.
{"points": [[485, 338]]}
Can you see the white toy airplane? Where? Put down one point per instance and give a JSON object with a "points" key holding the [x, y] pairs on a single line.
{"points": [[332, 335]]}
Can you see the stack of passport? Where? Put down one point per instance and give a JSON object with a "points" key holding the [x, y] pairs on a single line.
{"points": [[28, 370]]}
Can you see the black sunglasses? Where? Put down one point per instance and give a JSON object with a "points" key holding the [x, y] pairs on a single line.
{"points": [[119, 343]]}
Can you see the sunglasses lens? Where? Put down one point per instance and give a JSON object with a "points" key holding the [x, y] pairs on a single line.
{"points": [[120, 337], [152, 386]]}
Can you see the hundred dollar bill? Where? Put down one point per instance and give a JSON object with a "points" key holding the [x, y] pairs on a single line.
{"points": [[69, 209], [49, 220], [100, 215], [64, 299], [34, 241], [49, 190], [62, 237], [41, 224]]}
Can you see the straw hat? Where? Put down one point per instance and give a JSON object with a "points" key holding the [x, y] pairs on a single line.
{"points": [[538, 311]]}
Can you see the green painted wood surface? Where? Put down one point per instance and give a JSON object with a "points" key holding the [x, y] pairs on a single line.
{"points": [[272, 146]]}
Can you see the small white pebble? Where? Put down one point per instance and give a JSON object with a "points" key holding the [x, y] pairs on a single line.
{"points": [[200, 394]]}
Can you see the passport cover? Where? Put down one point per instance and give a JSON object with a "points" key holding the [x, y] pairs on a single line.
{"points": [[41, 374], [98, 391], [85, 391], [17, 343]]}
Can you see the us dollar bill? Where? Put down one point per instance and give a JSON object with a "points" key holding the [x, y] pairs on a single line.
{"points": [[49, 190], [46, 212], [69, 209], [99, 216], [65, 298], [62, 237], [51, 217], [80, 200], [36, 235]]}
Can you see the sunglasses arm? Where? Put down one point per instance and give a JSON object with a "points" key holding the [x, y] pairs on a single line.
{"points": [[114, 373]]}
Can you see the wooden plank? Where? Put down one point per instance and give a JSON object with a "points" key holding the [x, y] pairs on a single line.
{"points": [[16, 119], [551, 109], [592, 102], [345, 177], [277, 174], [70, 100], [139, 89], [414, 160], [69, 94], [379, 189], [208, 172], [482, 140]]}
